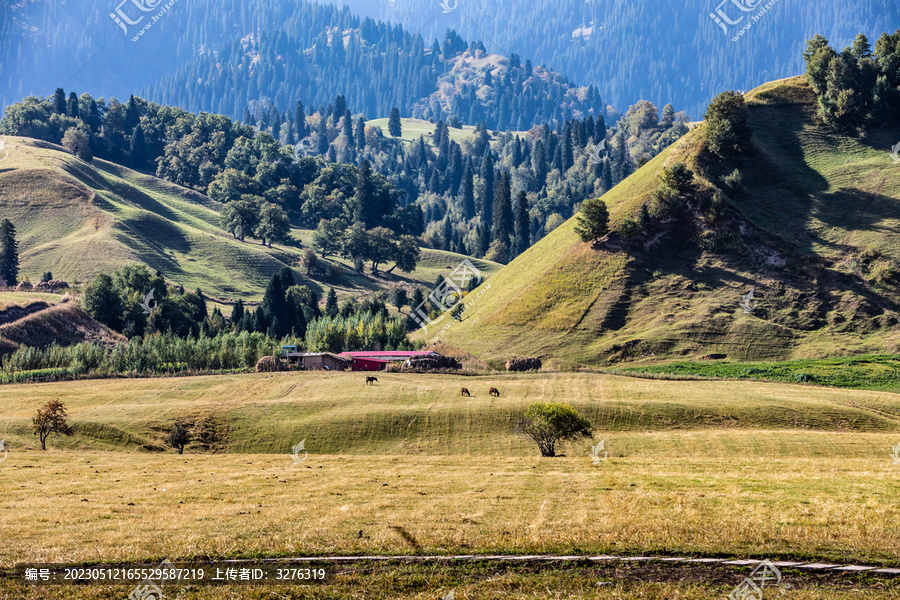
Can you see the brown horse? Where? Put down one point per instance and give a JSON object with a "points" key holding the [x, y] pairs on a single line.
{"points": [[465, 392], [371, 380], [494, 392]]}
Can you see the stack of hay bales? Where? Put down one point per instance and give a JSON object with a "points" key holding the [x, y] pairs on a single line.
{"points": [[52, 286], [431, 363], [269, 364], [523, 364]]}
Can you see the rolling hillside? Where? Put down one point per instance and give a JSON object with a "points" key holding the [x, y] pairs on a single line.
{"points": [[39, 320], [817, 214], [78, 219]]}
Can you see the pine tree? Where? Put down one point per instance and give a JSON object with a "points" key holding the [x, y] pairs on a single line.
{"points": [[395, 127], [468, 193], [9, 253], [340, 106], [523, 224], [539, 164], [347, 129], [273, 309], [486, 193], [72, 105], [59, 101], [418, 298], [322, 136], [365, 196], [359, 134], [331, 303], [138, 147], [503, 213], [237, 313], [300, 121]]}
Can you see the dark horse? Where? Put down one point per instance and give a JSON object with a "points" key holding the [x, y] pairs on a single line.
{"points": [[465, 392], [494, 392], [371, 380]]}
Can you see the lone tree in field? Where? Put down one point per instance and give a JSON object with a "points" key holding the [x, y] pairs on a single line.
{"points": [[593, 221], [551, 423], [50, 418], [179, 436]]}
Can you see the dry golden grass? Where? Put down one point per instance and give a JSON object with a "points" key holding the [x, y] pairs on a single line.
{"points": [[65, 506]]}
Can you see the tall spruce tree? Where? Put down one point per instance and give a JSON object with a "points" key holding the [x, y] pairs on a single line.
{"points": [[9, 253], [331, 303], [468, 192], [395, 128], [365, 196], [72, 105], [237, 313], [503, 213], [59, 101], [486, 193], [523, 224], [273, 310]]}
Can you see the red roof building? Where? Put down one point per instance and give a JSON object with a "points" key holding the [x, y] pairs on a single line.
{"points": [[369, 364], [389, 355]]}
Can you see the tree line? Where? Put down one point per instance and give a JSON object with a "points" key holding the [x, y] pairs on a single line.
{"points": [[492, 194], [858, 86]]}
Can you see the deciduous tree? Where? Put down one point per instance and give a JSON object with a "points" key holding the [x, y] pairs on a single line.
{"points": [[50, 418], [548, 424]]}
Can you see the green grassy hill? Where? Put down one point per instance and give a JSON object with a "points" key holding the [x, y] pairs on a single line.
{"points": [[78, 219], [817, 215], [415, 413]]}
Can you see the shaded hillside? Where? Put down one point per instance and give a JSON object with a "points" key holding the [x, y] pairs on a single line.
{"points": [[814, 223], [78, 219], [41, 323]]}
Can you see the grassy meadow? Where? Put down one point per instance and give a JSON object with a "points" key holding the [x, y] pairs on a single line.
{"points": [[861, 372], [408, 467]]}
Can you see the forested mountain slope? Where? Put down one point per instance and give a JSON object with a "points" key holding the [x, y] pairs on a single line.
{"points": [[646, 49], [273, 52]]}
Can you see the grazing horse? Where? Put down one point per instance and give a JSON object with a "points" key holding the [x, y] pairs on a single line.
{"points": [[371, 380], [494, 392], [465, 392]]}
